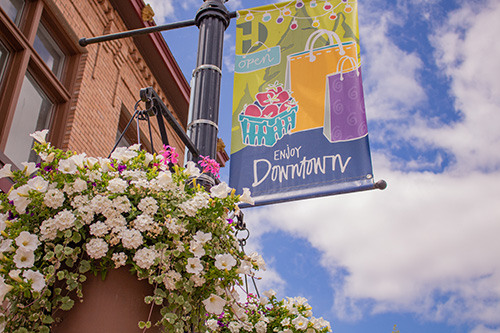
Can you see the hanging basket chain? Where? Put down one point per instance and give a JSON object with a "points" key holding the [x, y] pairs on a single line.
{"points": [[241, 226], [138, 115]]}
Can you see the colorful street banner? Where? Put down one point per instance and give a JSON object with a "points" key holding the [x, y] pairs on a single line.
{"points": [[299, 124]]}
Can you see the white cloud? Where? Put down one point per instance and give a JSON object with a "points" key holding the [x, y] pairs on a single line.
{"points": [[484, 329], [467, 53], [163, 9], [390, 74], [425, 235]]}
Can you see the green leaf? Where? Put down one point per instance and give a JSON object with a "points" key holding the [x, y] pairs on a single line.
{"points": [[68, 251], [61, 275], [44, 329], [84, 266], [142, 325], [58, 249], [49, 255], [76, 237], [48, 320], [67, 303]]}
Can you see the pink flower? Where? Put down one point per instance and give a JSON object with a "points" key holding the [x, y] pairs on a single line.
{"points": [[209, 166], [169, 155]]}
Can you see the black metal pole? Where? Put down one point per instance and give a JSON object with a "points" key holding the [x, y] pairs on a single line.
{"points": [[212, 19]]}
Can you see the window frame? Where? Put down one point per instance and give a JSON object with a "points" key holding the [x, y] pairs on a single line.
{"points": [[19, 41]]}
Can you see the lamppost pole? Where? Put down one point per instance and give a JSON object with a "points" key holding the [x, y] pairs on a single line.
{"points": [[212, 20]]}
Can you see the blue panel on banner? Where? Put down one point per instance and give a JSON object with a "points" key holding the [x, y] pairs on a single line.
{"points": [[309, 165]]}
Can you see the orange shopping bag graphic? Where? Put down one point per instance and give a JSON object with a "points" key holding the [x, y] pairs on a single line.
{"points": [[306, 76]]}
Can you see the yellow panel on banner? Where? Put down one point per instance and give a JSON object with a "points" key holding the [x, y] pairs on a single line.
{"points": [[285, 53]]}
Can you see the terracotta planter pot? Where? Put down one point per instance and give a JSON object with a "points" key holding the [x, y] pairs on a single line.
{"points": [[115, 305]]}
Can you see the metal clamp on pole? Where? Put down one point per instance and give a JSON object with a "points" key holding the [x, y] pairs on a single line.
{"points": [[203, 121], [206, 66]]}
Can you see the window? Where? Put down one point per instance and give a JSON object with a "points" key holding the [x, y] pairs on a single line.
{"points": [[4, 53], [49, 51], [37, 80], [32, 114], [13, 8]]}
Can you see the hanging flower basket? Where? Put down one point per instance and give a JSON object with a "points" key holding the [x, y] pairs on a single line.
{"points": [[72, 224]]}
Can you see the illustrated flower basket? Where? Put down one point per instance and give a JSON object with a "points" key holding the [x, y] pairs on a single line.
{"points": [[269, 118], [74, 228], [266, 131]]}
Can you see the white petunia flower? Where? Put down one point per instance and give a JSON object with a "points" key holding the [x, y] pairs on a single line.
{"points": [[27, 241], [245, 268], [67, 166], [47, 157], [246, 196], [202, 237], [14, 275], [6, 172], [6, 246], [269, 293], [37, 279], [220, 191], [20, 198], [38, 184], [24, 258], [214, 304], [148, 159], [117, 185], [40, 136], [145, 258], [123, 154], [224, 261], [300, 322], [135, 147], [105, 164], [29, 168], [79, 159], [97, 248], [196, 249], [194, 266], [3, 219], [258, 260], [4, 288], [91, 161], [192, 169], [163, 181]]}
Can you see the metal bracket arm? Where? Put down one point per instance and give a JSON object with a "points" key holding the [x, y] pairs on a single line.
{"points": [[149, 95]]}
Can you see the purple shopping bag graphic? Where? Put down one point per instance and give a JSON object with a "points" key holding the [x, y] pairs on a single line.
{"points": [[345, 117]]}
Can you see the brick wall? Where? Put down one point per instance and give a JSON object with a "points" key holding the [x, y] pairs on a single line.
{"points": [[108, 82]]}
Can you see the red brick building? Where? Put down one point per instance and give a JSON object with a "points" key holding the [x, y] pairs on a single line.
{"points": [[85, 96]]}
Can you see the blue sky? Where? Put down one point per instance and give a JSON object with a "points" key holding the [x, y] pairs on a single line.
{"points": [[423, 254]]}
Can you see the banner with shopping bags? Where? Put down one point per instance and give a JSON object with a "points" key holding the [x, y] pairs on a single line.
{"points": [[299, 126]]}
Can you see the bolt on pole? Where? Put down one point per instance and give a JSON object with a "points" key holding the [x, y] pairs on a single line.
{"points": [[212, 20]]}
